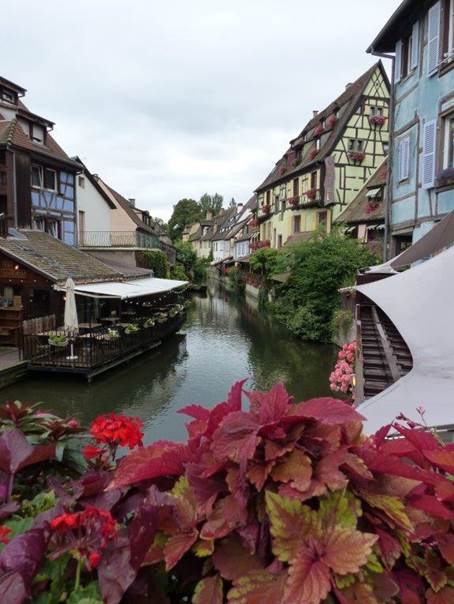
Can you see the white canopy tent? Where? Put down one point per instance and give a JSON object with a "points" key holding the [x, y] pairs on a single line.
{"points": [[420, 303], [124, 290]]}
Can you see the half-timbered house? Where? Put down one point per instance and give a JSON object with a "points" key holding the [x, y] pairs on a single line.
{"points": [[37, 178], [328, 163]]}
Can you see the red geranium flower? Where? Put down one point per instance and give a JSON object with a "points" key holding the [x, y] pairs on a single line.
{"points": [[5, 531], [114, 430], [85, 534], [91, 452]]}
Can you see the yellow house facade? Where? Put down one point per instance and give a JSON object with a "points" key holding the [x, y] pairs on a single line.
{"points": [[328, 163]]}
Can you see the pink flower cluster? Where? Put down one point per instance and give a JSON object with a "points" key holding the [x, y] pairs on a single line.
{"points": [[341, 379]]}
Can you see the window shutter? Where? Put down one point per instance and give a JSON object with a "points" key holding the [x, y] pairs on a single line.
{"points": [[415, 46], [398, 62], [428, 157], [433, 46], [404, 158]]}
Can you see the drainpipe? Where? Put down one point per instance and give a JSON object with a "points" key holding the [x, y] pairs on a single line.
{"points": [[14, 190], [387, 246]]}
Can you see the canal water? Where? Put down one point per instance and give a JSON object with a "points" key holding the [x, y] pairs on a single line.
{"points": [[223, 341]]}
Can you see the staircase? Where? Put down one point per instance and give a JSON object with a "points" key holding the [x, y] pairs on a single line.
{"points": [[385, 355]]}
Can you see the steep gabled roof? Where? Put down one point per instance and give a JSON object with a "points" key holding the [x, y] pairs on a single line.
{"points": [[126, 206], [345, 105], [13, 134], [360, 210], [55, 260]]}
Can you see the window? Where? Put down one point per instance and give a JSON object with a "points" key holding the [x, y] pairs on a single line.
{"points": [[355, 144], [296, 187], [81, 225], [433, 39], [2, 179], [448, 26], [313, 180], [50, 179], [374, 110], [82, 182], [279, 241], [37, 176], [405, 60], [297, 224], [322, 219], [449, 142], [9, 97], [403, 157], [268, 198], [429, 153], [317, 144], [37, 133]]}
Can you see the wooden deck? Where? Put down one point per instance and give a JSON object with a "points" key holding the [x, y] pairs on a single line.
{"points": [[94, 353], [9, 357]]}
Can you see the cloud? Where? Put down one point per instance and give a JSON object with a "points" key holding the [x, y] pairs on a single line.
{"points": [[169, 100]]}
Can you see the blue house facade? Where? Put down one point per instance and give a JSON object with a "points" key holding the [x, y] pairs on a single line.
{"points": [[420, 39]]}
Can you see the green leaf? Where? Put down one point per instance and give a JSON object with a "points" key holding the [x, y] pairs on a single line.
{"points": [[340, 509], [86, 595]]}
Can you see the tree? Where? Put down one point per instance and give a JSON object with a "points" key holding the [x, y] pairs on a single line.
{"points": [[232, 203], [211, 203], [185, 212]]}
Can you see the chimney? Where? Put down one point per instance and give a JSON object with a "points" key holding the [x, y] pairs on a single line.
{"points": [[132, 201], [239, 207], [315, 112]]}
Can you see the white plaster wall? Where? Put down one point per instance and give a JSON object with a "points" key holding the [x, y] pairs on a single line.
{"points": [[98, 214]]}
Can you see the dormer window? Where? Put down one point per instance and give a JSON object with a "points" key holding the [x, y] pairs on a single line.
{"points": [[37, 133], [355, 145], [8, 96]]}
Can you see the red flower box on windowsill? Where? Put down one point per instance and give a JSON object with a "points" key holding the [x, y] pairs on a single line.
{"points": [[319, 130], [312, 194], [332, 121], [357, 156], [266, 209], [312, 154], [294, 201], [282, 170], [377, 120]]}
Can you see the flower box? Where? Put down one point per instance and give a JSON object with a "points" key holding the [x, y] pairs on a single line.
{"points": [[266, 209], [131, 328], [377, 120], [162, 317], [319, 130], [149, 323], [312, 154], [312, 194], [59, 341], [356, 156], [371, 207], [332, 121], [112, 334], [282, 170], [294, 201]]}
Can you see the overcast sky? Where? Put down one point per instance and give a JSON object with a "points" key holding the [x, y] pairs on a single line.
{"points": [[177, 98]]}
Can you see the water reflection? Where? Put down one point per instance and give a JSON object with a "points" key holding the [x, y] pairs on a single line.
{"points": [[222, 341]]}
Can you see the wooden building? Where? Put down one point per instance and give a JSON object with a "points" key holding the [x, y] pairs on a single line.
{"points": [[328, 163]]}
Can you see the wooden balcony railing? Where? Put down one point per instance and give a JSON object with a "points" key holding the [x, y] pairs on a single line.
{"points": [[121, 239]]}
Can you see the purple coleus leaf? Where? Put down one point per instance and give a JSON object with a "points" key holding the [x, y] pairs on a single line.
{"points": [[24, 554], [116, 573], [13, 589], [14, 450]]}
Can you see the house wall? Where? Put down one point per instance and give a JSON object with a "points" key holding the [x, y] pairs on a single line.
{"points": [[98, 215], [419, 99]]}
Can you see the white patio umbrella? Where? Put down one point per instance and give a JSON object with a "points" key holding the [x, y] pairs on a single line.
{"points": [[71, 320]]}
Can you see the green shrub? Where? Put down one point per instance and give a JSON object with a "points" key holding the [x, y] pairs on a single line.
{"points": [[155, 260], [342, 320], [177, 272], [236, 281]]}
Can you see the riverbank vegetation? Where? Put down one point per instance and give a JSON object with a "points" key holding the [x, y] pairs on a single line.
{"points": [[188, 263], [314, 272], [278, 503]]}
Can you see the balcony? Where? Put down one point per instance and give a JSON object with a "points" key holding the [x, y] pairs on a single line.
{"points": [[118, 239]]}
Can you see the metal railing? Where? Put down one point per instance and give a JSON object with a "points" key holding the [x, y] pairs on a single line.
{"points": [[97, 346], [121, 239]]}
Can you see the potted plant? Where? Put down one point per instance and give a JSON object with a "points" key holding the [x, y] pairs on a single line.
{"points": [[377, 120], [149, 323], [266, 209], [313, 154], [59, 340], [294, 201], [332, 120], [319, 130], [162, 317], [112, 334], [131, 328], [311, 194], [282, 170], [356, 156]]}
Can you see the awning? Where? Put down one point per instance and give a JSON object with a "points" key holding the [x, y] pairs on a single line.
{"points": [[123, 290], [419, 303]]}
